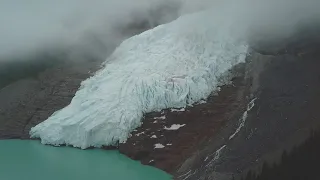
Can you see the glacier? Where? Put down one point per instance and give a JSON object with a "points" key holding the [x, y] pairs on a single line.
{"points": [[170, 66]]}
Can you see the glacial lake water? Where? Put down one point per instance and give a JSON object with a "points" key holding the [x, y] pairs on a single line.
{"points": [[30, 160]]}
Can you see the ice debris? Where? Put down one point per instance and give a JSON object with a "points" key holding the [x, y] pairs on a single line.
{"points": [[160, 118], [158, 146], [202, 102], [138, 134], [153, 136], [174, 127], [178, 110]]}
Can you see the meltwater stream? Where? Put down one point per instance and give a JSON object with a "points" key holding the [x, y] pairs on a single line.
{"points": [[31, 160]]}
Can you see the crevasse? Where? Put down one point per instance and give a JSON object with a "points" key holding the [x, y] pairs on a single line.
{"points": [[170, 66]]}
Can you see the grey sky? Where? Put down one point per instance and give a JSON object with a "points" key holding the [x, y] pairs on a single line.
{"points": [[91, 26]]}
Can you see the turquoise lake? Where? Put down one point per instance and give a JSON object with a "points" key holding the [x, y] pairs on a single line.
{"points": [[30, 160]]}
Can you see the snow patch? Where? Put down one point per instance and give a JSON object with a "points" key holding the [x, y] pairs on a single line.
{"points": [[178, 110], [174, 127], [138, 134], [171, 66], [158, 146], [187, 174], [202, 102], [206, 158], [217, 155], [243, 118], [160, 118], [153, 136]]}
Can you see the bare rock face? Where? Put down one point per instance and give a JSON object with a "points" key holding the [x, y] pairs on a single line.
{"points": [[286, 89], [27, 102]]}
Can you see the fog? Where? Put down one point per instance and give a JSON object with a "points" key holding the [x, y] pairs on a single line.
{"points": [[83, 28], [79, 27]]}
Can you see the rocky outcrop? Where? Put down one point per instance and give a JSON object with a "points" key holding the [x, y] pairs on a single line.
{"points": [[30, 101]]}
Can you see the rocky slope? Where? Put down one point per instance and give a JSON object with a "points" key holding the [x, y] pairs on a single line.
{"points": [[286, 85], [27, 102]]}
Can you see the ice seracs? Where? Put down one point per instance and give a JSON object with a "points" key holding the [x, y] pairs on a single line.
{"points": [[171, 66]]}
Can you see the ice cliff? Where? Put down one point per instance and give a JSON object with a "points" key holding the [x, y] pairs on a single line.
{"points": [[170, 66]]}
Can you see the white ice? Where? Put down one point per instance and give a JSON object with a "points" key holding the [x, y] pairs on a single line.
{"points": [[158, 146], [178, 110], [160, 118], [153, 136], [138, 134], [202, 102], [171, 66], [174, 127]]}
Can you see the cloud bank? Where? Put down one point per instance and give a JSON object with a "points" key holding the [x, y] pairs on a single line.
{"points": [[82, 29]]}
